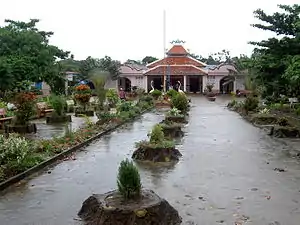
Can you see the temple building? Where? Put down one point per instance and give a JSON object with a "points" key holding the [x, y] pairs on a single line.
{"points": [[178, 65]]}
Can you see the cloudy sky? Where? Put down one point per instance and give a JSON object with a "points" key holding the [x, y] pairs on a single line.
{"points": [[132, 29]]}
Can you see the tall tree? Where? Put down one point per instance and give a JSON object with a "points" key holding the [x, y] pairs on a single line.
{"points": [[106, 64], [149, 59], [25, 54], [273, 59]]}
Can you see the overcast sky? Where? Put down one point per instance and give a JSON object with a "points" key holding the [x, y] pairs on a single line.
{"points": [[132, 29]]}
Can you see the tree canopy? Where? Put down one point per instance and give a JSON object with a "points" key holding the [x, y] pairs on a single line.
{"points": [[276, 60], [106, 64], [25, 54]]}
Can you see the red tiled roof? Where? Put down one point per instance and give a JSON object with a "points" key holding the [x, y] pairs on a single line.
{"points": [[177, 50], [185, 60], [176, 70]]}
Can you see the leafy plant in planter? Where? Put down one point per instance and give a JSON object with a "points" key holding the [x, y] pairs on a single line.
{"points": [[210, 94], [157, 149], [156, 94], [175, 115], [59, 105], [129, 181], [180, 102], [172, 93], [250, 104], [25, 109], [112, 98]]}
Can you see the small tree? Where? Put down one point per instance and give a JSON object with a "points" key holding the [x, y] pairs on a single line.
{"points": [[58, 104], [129, 181], [157, 135], [180, 102]]}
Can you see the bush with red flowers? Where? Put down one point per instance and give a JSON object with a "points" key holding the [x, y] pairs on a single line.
{"points": [[25, 104], [82, 93]]}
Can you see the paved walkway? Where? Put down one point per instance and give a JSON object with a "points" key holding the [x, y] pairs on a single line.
{"points": [[226, 175]]}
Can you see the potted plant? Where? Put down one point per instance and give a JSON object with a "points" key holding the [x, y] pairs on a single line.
{"points": [[82, 95], [130, 203], [59, 115], [175, 115], [157, 149], [211, 96], [25, 109]]}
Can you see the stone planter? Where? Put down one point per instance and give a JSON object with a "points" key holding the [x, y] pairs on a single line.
{"points": [[22, 129], [176, 119], [212, 99], [87, 113], [110, 208], [148, 153], [172, 130], [58, 119], [162, 105]]}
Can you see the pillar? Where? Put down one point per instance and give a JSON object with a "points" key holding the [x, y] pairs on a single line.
{"points": [[146, 84], [184, 83]]}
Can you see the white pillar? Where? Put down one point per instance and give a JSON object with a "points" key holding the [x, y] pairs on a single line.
{"points": [[184, 83], [204, 82], [146, 83]]}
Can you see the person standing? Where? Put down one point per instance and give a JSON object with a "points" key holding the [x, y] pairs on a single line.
{"points": [[122, 94]]}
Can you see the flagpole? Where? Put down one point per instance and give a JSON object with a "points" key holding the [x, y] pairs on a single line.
{"points": [[164, 46]]}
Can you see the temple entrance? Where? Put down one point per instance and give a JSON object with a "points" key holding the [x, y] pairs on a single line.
{"points": [[125, 83], [194, 84], [157, 83], [227, 85]]}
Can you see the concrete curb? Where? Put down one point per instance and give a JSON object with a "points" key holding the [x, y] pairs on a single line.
{"points": [[10, 181]]}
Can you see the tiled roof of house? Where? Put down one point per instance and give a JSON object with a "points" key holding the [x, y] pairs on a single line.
{"points": [[177, 50], [132, 69], [176, 70]]}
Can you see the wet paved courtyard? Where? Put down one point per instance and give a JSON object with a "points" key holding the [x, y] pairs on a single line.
{"points": [[227, 175]]}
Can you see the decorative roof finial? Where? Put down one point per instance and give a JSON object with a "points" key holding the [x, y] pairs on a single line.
{"points": [[177, 41]]}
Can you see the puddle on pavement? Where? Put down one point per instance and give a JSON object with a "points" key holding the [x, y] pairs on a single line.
{"points": [[226, 175]]}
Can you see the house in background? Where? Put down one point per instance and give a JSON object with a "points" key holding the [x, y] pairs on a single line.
{"points": [[131, 75], [193, 74]]}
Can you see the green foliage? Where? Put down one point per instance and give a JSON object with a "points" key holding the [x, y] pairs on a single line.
{"points": [[250, 103], [129, 181], [112, 97], [180, 102], [232, 103], [149, 59], [58, 103], [99, 80], [157, 135], [106, 64], [275, 61], [26, 55], [156, 94], [174, 112], [124, 106], [146, 98], [172, 93]]}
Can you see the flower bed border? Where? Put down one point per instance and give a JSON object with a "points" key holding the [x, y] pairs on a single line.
{"points": [[12, 180]]}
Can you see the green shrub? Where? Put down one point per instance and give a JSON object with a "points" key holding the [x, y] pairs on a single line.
{"points": [[172, 93], [13, 148], [129, 181], [58, 103], [124, 106], [250, 103], [157, 134], [112, 97], [146, 98], [298, 111], [283, 122], [232, 103], [174, 112], [180, 102], [156, 94]]}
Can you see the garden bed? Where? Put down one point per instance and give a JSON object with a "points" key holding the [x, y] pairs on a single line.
{"points": [[84, 113], [59, 148]]}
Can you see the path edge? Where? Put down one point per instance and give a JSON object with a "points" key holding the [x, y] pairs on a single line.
{"points": [[12, 180]]}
